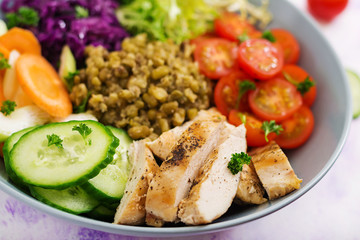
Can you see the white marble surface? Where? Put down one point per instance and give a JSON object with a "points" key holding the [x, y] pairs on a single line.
{"points": [[330, 210]]}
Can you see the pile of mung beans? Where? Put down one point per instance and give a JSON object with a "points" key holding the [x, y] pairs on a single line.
{"points": [[146, 88]]}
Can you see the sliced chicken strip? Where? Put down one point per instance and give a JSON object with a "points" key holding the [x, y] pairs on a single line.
{"points": [[215, 187], [161, 147], [175, 176], [274, 170], [131, 210], [250, 189]]}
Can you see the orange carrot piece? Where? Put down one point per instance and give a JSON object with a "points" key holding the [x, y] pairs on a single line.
{"points": [[24, 41], [2, 97], [41, 83], [4, 51]]}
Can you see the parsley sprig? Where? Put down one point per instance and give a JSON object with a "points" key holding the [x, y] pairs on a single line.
{"points": [[84, 131], [269, 127], [244, 86], [7, 107], [268, 36], [303, 87], [237, 162], [55, 140], [70, 79], [25, 16], [4, 62]]}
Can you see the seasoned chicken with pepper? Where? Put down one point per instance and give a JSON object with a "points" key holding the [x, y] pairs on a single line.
{"points": [[176, 174], [131, 210], [274, 170], [215, 187]]}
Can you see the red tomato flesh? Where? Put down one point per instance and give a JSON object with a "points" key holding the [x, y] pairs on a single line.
{"points": [[289, 45], [326, 10], [276, 99], [227, 90], [216, 57], [231, 26], [299, 75], [297, 129], [260, 58], [255, 136]]}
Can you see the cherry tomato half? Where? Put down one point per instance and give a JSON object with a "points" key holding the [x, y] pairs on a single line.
{"points": [[299, 75], [216, 57], [231, 26], [297, 129], [202, 37], [255, 136], [260, 58], [226, 93], [326, 10], [275, 99], [288, 43]]}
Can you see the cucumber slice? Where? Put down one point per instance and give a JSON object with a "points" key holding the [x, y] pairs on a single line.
{"points": [[109, 184], [354, 81], [9, 143], [45, 166], [20, 119], [73, 200], [67, 65], [102, 213]]}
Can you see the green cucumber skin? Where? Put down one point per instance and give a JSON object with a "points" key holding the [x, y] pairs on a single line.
{"points": [[8, 145], [43, 199], [98, 193], [102, 213], [82, 179]]}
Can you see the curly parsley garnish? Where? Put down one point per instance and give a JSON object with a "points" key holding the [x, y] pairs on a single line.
{"points": [[268, 36], [303, 87], [25, 16], [84, 131], [237, 162], [244, 86], [54, 139], [7, 107], [4, 62], [269, 127]]}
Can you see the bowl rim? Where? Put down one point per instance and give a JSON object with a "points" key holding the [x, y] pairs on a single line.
{"points": [[212, 227]]}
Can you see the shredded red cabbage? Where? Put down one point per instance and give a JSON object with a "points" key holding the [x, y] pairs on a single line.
{"points": [[58, 25]]}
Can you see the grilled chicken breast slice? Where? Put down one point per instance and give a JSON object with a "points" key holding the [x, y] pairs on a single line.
{"points": [[161, 147], [215, 187], [131, 210], [175, 176], [250, 189], [274, 170]]}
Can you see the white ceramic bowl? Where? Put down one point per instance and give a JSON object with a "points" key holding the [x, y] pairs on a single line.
{"points": [[332, 110]]}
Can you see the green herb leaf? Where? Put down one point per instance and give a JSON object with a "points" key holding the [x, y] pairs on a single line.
{"points": [[4, 62], [81, 12], [70, 78], [269, 127], [244, 86], [82, 107], [237, 162], [7, 107], [84, 131], [54, 139], [242, 117], [243, 37], [25, 16], [269, 36], [305, 86]]}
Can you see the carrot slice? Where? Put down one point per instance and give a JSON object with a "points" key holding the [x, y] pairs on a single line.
{"points": [[2, 97], [4, 51], [24, 41], [42, 84]]}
